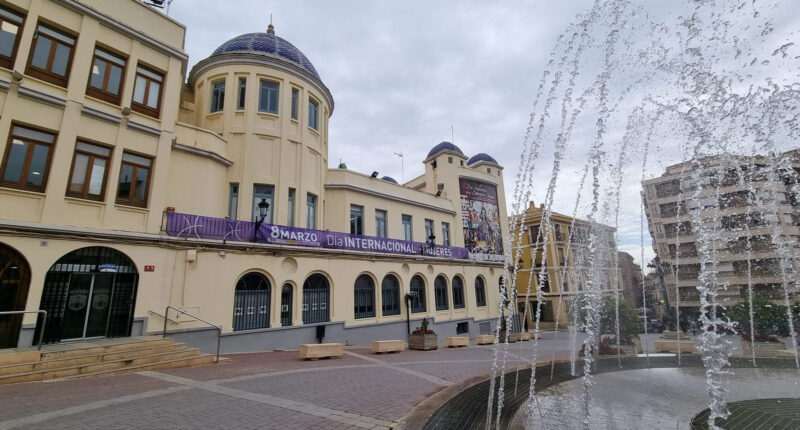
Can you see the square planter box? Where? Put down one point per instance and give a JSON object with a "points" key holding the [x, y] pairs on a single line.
{"points": [[423, 342], [512, 337], [763, 349]]}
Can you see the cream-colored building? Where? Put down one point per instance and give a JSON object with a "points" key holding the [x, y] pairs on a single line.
{"points": [[567, 271], [128, 185]]}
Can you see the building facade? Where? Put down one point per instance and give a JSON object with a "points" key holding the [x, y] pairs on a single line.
{"points": [[129, 185], [746, 204], [566, 266]]}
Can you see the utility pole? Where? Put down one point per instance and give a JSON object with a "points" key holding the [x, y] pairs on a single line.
{"points": [[402, 178]]}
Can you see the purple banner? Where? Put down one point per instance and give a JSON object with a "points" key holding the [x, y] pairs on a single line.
{"points": [[203, 227]]}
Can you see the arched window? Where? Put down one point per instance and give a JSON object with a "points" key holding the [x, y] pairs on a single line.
{"points": [[417, 294], [390, 293], [286, 305], [458, 293], [480, 292], [251, 302], [89, 292], [15, 277], [440, 292], [364, 297], [316, 299]]}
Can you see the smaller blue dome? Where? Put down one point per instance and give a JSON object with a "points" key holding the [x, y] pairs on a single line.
{"points": [[444, 146], [481, 157], [389, 179]]}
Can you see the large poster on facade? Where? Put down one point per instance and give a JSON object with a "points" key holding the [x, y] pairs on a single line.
{"points": [[480, 214]]}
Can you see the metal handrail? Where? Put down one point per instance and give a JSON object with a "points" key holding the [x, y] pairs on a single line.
{"points": [[218, 327], [162, 316], [44, 320]]}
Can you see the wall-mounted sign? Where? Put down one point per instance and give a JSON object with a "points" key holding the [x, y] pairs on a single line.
{"points": [[480, 215], [149, 268], [110, 268], [184, 225]]}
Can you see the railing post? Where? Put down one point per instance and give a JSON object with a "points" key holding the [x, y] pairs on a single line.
{"points": [[166, 315], [44, 324], [219, 340]]}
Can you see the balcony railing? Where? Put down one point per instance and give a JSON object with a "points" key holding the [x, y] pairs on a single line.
{"points": [[203, 227]]}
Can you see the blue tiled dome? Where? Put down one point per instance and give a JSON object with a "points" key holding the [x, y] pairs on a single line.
{"points": [[444, 146], [266, 44], [389, 179], [481, 157]]}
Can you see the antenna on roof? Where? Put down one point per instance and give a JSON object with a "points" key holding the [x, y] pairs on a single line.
{"points": [[452, 135], [402, 175]]}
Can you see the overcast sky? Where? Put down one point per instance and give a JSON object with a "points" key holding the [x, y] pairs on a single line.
{"points": [[403, 72]]}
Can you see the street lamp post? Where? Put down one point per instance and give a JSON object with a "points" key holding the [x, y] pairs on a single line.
{"points": [[262, 213]]}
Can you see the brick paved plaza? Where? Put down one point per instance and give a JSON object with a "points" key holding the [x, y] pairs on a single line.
{"points": [[270, 390]]}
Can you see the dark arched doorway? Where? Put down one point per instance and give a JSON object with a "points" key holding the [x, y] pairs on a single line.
{"points": [[15, 277], [251, 302], [89, 293], [316, 299]]}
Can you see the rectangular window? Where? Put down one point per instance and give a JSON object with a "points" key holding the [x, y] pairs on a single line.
{"points": [[242, 93], [311, 211], [407, 235], [105, 79], [380, 223], [233, 201], [428, 229], [356, 219], [147, 92], [462, 327], [445, 234], [89, 168], [313, 112], [51, 55], [10, 23], [295, 102], [134, 179], [290, 215], [217, 96], [27, 159], [266, 193], [268, 97]]}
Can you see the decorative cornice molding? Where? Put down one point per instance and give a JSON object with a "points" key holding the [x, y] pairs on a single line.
{"points": [[348, 187], [146, 129], [39, 96], [201, 152], [122, 28], [102, 116]]}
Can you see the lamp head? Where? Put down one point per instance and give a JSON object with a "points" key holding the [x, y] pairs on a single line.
{"points": [[262, 208]]}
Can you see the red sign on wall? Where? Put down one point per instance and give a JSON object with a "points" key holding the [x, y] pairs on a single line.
{"points": [[149, 268]]}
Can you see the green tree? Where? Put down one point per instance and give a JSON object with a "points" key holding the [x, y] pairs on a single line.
{"points": [[769, 318], [629, 321]]}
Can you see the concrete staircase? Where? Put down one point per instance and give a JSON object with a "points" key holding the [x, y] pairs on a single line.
{"points": [[105, 357]]}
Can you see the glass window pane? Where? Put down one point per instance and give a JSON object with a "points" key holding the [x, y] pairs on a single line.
{"points": [[98, 73], [33, 134], [94, 149], [13, 16], [16, 158], [141, 184], [135, 159], [295, 96], [59, 36], [79, 173], [114, 79], [38, 165], [138, 90], [152, 96], [149, 74], [109, 57], [41, 52], [96, 177], [8, 34], [125, 179], [61, 60]]}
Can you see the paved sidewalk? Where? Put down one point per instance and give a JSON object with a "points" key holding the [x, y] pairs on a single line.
{"points": [[270, 390]]}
